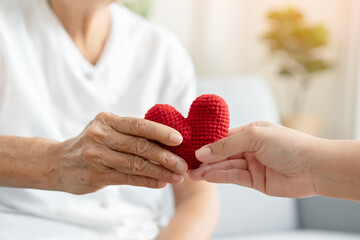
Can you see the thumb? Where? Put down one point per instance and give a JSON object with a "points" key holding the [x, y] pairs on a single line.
{"points": [[236, 144]]}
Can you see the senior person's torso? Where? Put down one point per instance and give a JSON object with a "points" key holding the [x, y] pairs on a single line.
{"points": [[48, 89]]}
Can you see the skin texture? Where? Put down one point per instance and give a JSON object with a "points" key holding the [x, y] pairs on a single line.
{"points": [[111, 150], [282, 162], [88, 23], [196, 212]]}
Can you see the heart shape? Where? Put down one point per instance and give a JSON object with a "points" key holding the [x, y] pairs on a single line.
{"points": [[207, 122]]}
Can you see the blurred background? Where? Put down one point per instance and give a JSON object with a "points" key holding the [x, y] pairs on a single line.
{"points": [[298, 58], [226, 38]]}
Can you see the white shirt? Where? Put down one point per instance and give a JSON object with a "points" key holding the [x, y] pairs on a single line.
{"points": [[48, 89]]}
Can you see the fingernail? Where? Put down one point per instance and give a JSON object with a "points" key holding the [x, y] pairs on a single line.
{"points": [[177, 177], [181, 166], [203, 152], [176, 138]]}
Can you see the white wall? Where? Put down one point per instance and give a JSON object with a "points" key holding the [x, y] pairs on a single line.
{"points": [[223, 37], [352, 73]]}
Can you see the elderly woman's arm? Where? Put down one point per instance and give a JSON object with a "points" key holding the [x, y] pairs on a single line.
{"points": [[196, 214], [111, 150], [24, 162]]}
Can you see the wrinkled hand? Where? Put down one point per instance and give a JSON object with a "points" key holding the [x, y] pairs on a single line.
{"points": [[267, 157], [115, 150]]}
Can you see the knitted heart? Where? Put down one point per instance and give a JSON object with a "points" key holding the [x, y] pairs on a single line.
{"points": [[207, 122]]}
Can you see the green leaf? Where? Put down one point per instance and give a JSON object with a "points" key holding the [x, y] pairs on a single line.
{"points": [[285, 73], [311, 37], [141, 7], [285, 15], [296, 40], [316, 66]]}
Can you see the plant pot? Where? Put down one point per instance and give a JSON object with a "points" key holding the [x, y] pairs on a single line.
{"points": [[305, 122]]}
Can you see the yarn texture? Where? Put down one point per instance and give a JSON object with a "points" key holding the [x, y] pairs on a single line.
{"points": [[207, 122]]}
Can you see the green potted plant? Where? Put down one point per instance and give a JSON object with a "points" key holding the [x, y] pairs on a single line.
{"points": [[141, 7], [295, 44]]}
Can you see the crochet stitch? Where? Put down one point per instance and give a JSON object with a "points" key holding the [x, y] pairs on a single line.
{"points": [[207, 122]]}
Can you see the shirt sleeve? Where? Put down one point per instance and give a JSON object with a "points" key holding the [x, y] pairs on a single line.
{"points": [[180, 78]]}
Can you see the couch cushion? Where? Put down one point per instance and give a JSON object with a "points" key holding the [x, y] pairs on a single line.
{"points": [[296, 235], [249, 98]]}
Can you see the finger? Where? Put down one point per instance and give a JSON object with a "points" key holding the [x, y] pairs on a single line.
{"points": [[135, 165], [237, 156], [236, 130], [258, 172], [148, 150], [239, 143], [236, 176], [198, 174], [229, 164], [146, 129], [116, 178]]}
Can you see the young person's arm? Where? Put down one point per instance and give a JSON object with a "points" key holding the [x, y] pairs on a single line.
{"points": [[283, 162], [336, 169]]}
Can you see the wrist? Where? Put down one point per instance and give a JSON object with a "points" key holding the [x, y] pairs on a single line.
{"points": [[336, 170], [24, 162], [43, 154], [316, 155], [325, 166]]}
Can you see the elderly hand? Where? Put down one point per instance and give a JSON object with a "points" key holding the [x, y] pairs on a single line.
{"points": [[268, 157], [115, 150]]}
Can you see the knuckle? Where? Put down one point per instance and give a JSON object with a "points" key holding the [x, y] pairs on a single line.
{"points": [[137, 164], [164, 174], [103, 117], [91, 131], [167, 159], [222, 145], [218, 147], [252, 131], [263, 124], [146, 181], [95, 132], [267, 123], [133, 180], [141, 181], [90, 153], [230, 165], [149, 183], [100, 116], [138, 125], [142, 146]]}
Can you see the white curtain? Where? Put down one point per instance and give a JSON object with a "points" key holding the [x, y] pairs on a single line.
{"points": [[212, 30], [356, 29], [357, 104], [224, 39], [350, 77]]}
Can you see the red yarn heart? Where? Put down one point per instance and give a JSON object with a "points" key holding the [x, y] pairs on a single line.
{"points": [[207, 122]]}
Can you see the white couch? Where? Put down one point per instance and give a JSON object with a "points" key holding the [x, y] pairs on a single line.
{"points": [[245, 213]]}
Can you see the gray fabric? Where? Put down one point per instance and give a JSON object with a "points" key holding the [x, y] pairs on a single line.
{"points": [[329, 214], [295, 235]]}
